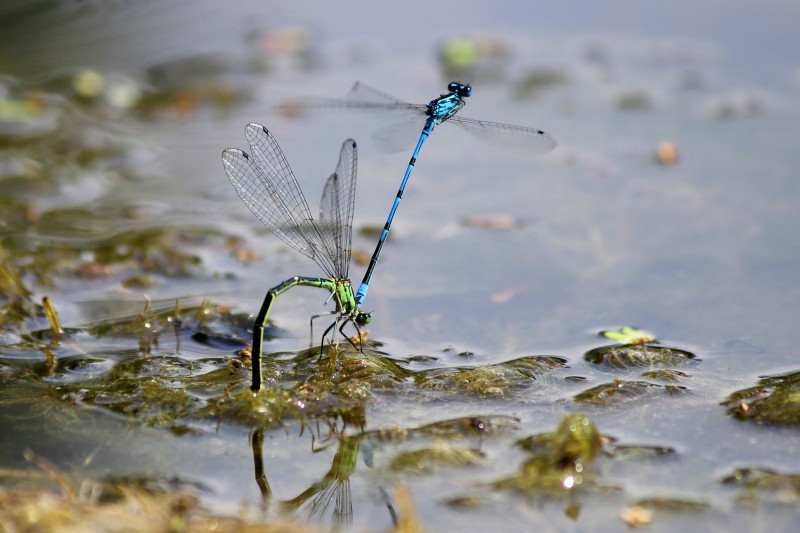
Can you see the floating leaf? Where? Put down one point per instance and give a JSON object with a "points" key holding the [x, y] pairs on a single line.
{"points": [[628, 335]]}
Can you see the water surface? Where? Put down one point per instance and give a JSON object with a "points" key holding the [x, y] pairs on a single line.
{"points": [[115, 199]]}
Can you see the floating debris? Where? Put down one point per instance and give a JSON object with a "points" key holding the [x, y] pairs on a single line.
{"points": [[738, 106], [370, 231], [118, 92], [52, 317], [477, 57], [537, 81], [360, 257], [29, 117], [88, 83], [634, 101], [666, 153], [466, 501], [636, 516], [361, 338], [492, 222], [245, 354], [628, 335], [239, 249], [290, 48]]}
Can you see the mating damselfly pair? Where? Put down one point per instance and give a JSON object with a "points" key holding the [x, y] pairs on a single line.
{"points": [[267, 185]]}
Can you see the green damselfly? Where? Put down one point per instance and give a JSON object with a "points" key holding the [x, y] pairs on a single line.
{"points": [[266, 184]]}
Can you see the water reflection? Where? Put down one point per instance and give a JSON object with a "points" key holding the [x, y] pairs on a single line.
{"points": [[332, 488], [330, 496]]}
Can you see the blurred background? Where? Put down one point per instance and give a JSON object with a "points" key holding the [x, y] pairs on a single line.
{"points": [[596, 224]]}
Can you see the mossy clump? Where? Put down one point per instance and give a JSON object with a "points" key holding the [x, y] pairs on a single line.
{"points": [[620, 356], [561, 461], [665, 374], [774, 400], [621, 390], [497, 380]]}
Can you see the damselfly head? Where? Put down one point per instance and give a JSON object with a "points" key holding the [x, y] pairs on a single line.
{"points": [[362, 319], [460, 89]]}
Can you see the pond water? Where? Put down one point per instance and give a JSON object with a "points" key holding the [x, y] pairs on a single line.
{"points": [[668, 205]]}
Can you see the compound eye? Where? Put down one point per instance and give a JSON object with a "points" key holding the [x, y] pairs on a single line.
{"points": [[466, 90], [453, 86]]}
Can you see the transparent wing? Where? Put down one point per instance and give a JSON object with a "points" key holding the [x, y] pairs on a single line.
{"points": [[399, 136], [530, 140], [268, 156], [337, 206], [364, 97], [267, 186], [406, 120], [365, 94]]}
